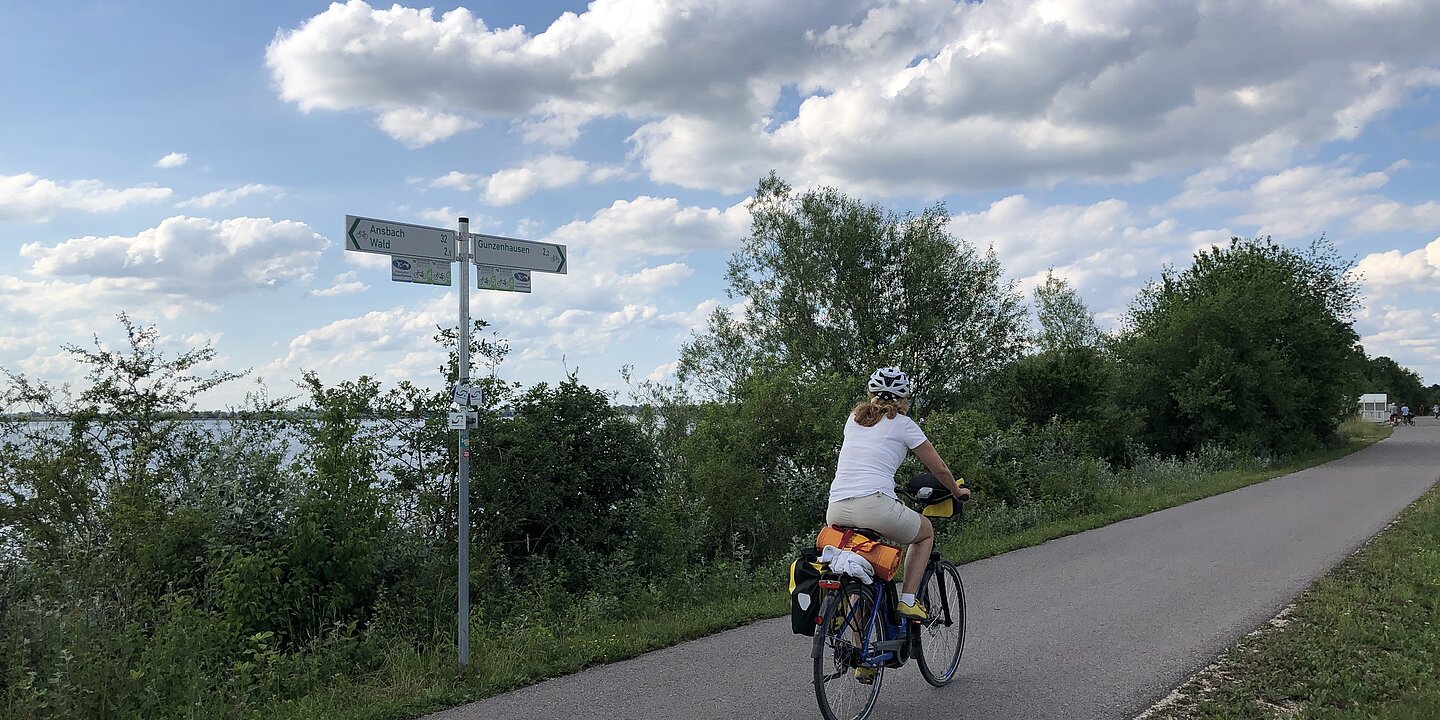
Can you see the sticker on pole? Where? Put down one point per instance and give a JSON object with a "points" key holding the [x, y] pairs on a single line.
{"points": [[504, 279], [419, 270]]}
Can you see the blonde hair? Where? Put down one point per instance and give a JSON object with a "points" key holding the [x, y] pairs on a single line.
{"points": [[869, 412]]}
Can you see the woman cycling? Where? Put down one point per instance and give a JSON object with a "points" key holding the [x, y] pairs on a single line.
{"points": [[878, 434]]}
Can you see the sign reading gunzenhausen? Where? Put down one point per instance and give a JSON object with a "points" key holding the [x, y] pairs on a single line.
{"points": [[496, 251]]}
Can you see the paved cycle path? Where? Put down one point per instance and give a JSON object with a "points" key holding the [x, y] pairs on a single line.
{"points": [[1096, 625]]}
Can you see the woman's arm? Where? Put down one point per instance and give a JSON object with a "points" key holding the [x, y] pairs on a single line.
{"points": [[937, 467]]}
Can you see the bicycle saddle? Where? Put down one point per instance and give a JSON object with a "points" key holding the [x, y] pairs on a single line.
{"points": [[867, 532]]}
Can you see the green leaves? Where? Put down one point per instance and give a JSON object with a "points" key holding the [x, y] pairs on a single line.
{"points": [[556, 481], [839, 287], [1065, 321], [1252, 346]]}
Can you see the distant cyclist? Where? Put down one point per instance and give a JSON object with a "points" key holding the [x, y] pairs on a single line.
{"points": [[1405, 415], [878, 434]]}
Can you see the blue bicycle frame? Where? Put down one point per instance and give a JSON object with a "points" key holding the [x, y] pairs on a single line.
{"points": [[873, 653]]}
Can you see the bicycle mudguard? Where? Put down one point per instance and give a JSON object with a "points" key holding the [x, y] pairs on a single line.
{"points": [[817, 646]]}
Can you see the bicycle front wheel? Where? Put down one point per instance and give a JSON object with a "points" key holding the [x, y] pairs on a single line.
{"points": [[846, 688], [941, 639]]}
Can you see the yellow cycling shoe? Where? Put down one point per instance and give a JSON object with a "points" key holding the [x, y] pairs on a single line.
{"points": [[914, 612], [865, 676]]}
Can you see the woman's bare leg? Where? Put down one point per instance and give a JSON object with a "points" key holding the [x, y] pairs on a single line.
{"points": [[918, 556]]}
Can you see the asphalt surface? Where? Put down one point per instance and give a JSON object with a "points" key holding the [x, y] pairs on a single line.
{"points": [[1097, 625]]}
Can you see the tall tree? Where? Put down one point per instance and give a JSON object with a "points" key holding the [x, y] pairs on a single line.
{"points": [[1065, 320], [1070, 378], [1402, 384], [1252, 345], [836, 287]]}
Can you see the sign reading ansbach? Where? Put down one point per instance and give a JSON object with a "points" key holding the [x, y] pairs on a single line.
{"points": [[395, 238]]}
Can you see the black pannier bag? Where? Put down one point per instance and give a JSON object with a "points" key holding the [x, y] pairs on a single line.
{"points": [[805, 592]]}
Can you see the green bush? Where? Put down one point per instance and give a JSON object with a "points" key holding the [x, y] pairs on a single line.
{"points": [[1252, 347], [558, 480]]}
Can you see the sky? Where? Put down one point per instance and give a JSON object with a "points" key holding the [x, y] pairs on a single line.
{"points": [[191, 163]]}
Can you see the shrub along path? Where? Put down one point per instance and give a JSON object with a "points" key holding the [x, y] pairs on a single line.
{"points": [[1095, 625]]}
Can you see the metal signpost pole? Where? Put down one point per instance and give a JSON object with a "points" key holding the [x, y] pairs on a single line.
{"points": [[422, 254], [464, 512]]}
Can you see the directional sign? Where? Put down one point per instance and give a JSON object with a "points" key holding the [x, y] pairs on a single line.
{"points": [[497, 251], [395, 238], [419, 270], [507, 279]]}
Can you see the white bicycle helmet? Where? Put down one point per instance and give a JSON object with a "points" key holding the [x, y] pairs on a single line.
{"points": [[889, 380]]}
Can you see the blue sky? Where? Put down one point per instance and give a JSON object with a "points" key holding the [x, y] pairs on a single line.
{"points": [[192, 163]]}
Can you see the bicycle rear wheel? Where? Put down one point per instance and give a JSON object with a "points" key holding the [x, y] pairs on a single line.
{"points": [[941, 639], [839, 641]]}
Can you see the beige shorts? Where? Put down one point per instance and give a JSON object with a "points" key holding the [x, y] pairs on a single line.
{"points": [[877, 512]]}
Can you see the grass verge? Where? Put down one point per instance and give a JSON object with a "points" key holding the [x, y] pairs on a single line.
{"points": [[1362, 642], [412, 683]]}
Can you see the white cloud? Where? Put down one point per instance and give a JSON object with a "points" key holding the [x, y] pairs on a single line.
{"points": [[652, 57], [626, 286], [369, 261], [29, 198], [343, 284], [370, 341], [173, 160], [633, 230], [1105, 250], [225, 198], [664, 373], [189, 256], [456, 180], [1394, 273], [1307, 200], [418, 127], [442, 216], [56, 311], [895, 97], [1384, 214], [551, 171], [1407, 335]]}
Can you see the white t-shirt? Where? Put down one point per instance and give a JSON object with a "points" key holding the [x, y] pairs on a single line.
{"points": [[870, 456]]}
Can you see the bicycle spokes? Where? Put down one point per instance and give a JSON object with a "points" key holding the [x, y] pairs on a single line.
{"points": [[941, 640], [845, 686]]}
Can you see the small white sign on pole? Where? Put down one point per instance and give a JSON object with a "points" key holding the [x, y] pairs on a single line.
{"points": [[506, 279], [420, 270], [467, 396]]}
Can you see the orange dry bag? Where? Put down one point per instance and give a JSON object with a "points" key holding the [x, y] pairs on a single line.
{"points": [[884, 558]]}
